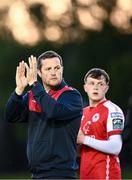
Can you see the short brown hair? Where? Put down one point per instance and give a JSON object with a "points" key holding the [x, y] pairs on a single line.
{"points": [[48, 54], [97, 73]]}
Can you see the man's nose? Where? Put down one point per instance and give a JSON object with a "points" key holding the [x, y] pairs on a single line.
{"points": [[96, 86], [53, 71]]}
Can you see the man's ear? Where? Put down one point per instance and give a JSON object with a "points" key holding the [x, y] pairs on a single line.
{"points": [[62, 69], [107, 88], [39, 73], [84, 86]]}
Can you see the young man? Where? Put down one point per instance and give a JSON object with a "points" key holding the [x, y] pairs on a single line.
{"points": [[100, 132], [53, 112]]}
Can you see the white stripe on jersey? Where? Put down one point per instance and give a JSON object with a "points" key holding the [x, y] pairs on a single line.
{"points": [[107, 167]]}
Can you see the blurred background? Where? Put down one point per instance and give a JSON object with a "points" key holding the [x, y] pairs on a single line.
{"points": [[87, 34]]}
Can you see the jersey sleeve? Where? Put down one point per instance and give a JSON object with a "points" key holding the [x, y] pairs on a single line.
{"points": [[115, 121]]}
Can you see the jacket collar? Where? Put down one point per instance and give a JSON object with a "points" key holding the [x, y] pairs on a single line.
{"points": [[58, 87]]}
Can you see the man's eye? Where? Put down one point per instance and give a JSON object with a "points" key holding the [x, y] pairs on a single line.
{"points": [[91, 83], [47, 69], [101, 84], [58, 67]]}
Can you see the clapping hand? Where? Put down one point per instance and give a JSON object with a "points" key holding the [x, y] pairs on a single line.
{"points": [[21, 80], [26, 74], [31, 70]]}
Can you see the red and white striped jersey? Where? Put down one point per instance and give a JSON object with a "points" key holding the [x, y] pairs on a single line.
{"points": [[100, 122]]}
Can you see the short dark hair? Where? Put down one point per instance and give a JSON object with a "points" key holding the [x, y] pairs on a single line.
{"points": [[48, 54], [97, 73]]}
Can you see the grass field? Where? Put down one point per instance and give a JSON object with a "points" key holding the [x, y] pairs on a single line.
{"points": [[126, 174]]}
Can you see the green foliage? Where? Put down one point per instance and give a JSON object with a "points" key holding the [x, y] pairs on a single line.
{"points": [[107, 49]]}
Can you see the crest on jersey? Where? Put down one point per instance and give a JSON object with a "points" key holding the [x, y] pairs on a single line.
{"points": [[117, 123], [86, 127], [95, 117]]}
